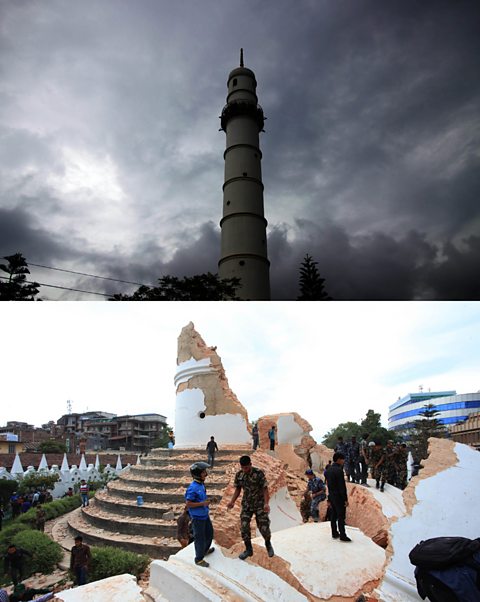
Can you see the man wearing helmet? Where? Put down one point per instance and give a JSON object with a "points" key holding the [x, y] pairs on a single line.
{"points": [[254, 501], [197, 504]]}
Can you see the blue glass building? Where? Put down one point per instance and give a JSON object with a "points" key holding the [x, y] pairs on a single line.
{"points": [[453, 408]]}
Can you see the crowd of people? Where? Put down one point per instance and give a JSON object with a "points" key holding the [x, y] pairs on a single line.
{"points": [[387, 464], [21, 503]]}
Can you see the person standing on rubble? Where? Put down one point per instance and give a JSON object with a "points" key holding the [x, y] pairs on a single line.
{"points": [[197, 504], [337, 497], [255, 500]]}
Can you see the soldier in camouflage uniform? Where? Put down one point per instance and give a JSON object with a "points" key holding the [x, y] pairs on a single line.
{"points": [[390, 463], [254, 501], [402, 458], [378, 465]]}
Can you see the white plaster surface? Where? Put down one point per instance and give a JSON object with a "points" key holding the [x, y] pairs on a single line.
{"points": [[192, 367], [447, 505], [288, 431], [43, 463], [193, 431], [318, 561], [391, 499], [226, 579], [121, 588], [284, 513]]}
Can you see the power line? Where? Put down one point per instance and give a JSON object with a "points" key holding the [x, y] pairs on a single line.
{"points": [[85, 274], [65, 288]]}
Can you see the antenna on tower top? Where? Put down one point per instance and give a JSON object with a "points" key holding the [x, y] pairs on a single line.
{"points": [[69, 406], [241, 57]]}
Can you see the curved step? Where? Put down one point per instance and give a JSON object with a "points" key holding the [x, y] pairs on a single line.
{"points": [[156, 483], [195, 452], [160, 496], [130, 507], [155, 547], [118, 523], [165, 472]]}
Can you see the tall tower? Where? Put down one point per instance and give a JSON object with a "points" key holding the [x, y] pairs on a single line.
{"points": [[244, 237]]}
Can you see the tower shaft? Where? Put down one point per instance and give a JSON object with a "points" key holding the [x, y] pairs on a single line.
{"points": [[244, 239]]}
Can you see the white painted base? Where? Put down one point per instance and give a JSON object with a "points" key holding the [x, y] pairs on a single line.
{"points": [[193, 431]]}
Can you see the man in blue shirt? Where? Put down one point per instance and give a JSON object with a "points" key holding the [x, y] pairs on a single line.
{"points": [[197, 504]]}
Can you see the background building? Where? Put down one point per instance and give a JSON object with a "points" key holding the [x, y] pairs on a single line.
{"points": [[452, 408], [467, 431]]}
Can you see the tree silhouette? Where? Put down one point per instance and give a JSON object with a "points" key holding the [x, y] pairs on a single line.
{"points": [[202, 287], [15, 287], [424, 428], [311, 284]]}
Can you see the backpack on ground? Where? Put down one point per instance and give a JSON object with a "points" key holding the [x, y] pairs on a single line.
{"points": [[447, 569]]}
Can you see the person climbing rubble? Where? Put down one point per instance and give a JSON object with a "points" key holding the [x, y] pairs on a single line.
{"points": [[255, 501], [316, 488], [212, 449]]}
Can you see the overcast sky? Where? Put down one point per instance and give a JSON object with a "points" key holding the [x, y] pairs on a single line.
{"points": [[330, 363], [111, 161]]}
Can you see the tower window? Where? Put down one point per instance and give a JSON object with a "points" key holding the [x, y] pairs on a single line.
{"points": [[228, 202], [201, 415], [234, 83], [244, 173], [241, 262]]}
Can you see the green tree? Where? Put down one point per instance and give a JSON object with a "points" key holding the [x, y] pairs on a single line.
{"points": [[345, 430], [15, 287], [163, 437], [6, 489], [50, 446], [371, 424], [424, 428], [37, 481], [312, 286], [202, 287]]}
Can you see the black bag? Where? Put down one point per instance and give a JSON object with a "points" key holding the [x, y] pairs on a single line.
{"points": [[448, 569]]}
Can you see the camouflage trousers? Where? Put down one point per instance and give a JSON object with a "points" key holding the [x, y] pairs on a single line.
{"points": [[402, 477], [263, 523], [379, 474]]}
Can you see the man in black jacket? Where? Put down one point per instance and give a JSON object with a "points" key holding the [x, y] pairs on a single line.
{"points": [[337, 496]]}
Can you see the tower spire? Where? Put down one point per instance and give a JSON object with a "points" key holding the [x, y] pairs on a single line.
{"points": [[241, 57]]}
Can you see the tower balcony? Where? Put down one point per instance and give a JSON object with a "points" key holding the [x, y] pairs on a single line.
{"points": [[237, 108]]}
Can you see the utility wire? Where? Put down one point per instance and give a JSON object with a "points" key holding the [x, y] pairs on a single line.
{"points": [[84, 274], [65, 288]]}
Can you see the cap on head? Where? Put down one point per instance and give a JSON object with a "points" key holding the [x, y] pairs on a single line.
{"points": [[245, 461], [309, 471], [371, 443]]}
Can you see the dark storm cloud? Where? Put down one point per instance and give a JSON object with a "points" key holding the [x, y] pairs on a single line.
{"points": [[110, 147]]}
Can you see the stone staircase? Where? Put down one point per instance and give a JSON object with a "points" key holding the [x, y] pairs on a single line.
{"points": [[114, 518]]}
